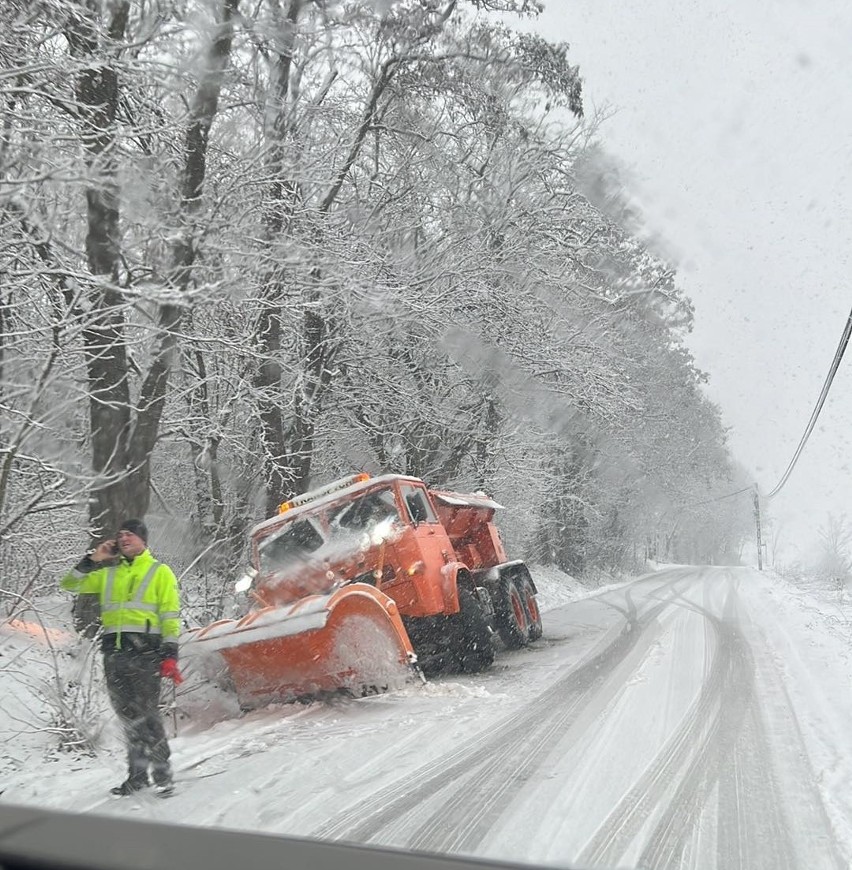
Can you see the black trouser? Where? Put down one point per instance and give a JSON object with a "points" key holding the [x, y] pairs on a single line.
{"points": [[133, 682]]}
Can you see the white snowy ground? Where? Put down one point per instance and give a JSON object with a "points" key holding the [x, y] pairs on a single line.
{"points": [[693, 718]]}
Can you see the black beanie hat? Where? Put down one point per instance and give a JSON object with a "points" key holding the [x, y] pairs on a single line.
{"points": [[137, 527]]}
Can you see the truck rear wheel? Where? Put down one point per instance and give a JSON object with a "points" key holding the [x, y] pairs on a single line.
{"points": [[512, 621], [472, 647], [535, 628]]}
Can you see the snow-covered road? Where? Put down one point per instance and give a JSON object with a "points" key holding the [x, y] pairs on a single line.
{"points": [[655, 725]]}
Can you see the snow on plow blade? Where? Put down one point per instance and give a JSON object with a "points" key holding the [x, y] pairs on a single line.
{"points": [[351, 640]]}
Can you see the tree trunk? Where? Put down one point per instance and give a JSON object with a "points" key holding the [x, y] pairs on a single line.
{"points": [[97, 93], [280, 200]]}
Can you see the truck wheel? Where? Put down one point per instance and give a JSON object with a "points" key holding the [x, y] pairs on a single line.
{"points": [[512, 622], [535, 629], [473, 649]]}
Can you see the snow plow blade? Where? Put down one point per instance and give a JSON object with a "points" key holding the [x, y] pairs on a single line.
{"points": [[351, 640]]}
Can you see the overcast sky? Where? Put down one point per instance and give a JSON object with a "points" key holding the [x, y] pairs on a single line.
{"points": [[735, 117]]}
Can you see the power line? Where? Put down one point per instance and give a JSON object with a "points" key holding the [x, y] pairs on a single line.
{"points": [[692, 504], [829, 379], [835, 363]]}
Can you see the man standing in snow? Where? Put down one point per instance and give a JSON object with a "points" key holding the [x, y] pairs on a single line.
{"points": [[140, 615]]}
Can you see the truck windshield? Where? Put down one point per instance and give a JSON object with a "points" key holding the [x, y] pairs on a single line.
{"points": [[330, 533], [293, 543], [368, 511]]}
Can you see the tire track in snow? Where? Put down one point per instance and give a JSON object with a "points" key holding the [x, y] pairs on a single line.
{"points": [[753, 830], [753, 827], [510, 753], [727, 730], [476, 807], [748, 792], [636, 807]]}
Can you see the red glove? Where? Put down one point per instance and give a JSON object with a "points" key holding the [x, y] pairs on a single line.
{"points": [[169, 669]]}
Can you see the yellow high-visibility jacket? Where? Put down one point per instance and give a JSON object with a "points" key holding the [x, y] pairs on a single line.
{"points": [[135, 597]]}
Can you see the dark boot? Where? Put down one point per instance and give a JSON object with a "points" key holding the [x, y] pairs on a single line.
{"points": [[137, 772], [135, 782]]}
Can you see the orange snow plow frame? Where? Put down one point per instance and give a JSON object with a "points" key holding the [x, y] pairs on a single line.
{"points": [[351, 640]]}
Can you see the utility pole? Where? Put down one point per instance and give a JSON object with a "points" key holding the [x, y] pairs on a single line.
{"points": [[757, 526]]}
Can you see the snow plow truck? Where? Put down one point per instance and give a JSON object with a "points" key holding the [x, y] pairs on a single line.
{"points": [[357, 585]]}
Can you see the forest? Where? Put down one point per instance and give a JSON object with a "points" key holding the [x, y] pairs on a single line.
{"points": [[249, 247]]}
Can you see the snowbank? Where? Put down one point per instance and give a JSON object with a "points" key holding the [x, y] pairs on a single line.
{"points": [[810, 634], [556, 588]]}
